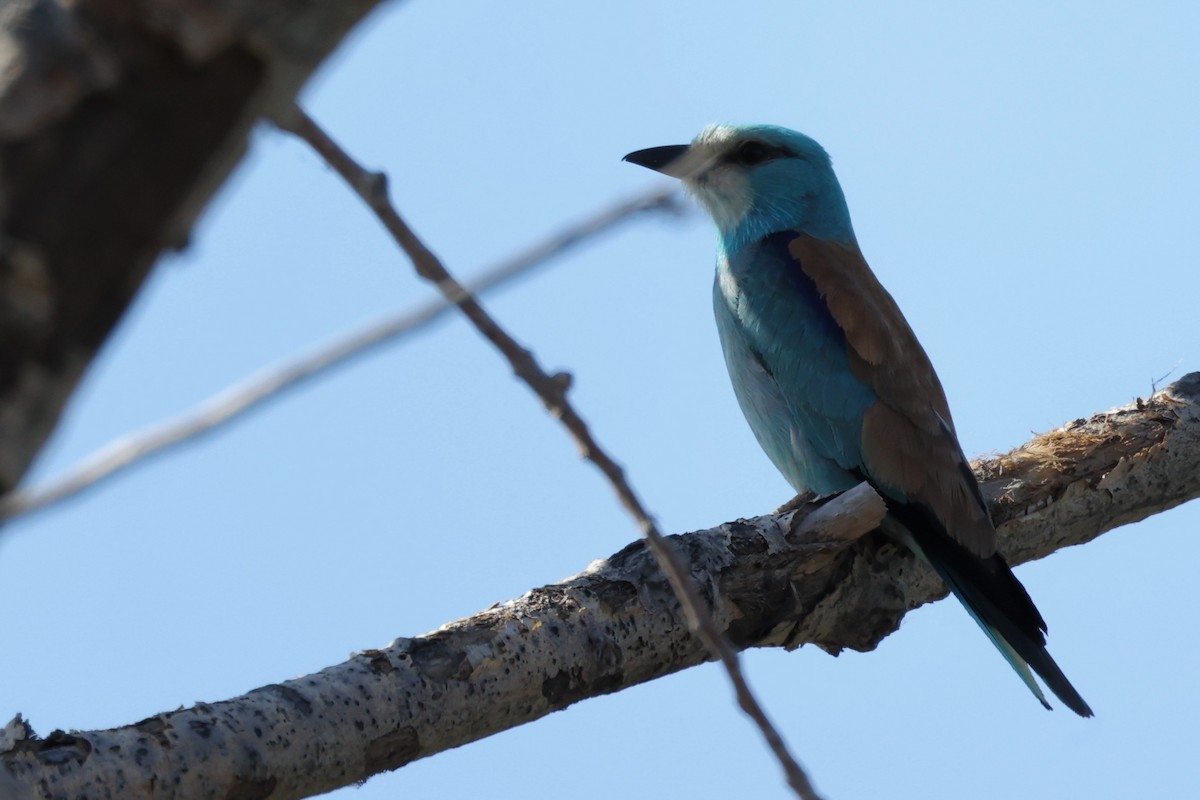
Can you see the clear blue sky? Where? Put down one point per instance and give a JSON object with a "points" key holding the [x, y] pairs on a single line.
{"points": [[1023, 179]]}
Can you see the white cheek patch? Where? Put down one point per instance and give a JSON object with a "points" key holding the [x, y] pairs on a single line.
{"points": [[726, 194]]}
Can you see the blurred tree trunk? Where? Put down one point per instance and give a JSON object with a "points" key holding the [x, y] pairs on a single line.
{"points": [[118, 121]]}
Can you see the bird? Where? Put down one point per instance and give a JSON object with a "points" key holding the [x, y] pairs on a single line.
{"points": [[831, 378]]}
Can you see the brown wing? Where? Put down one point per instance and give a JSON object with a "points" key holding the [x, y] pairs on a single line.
{"points": [[908, 438]]}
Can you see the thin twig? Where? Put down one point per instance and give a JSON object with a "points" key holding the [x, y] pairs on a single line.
{"points": [[372, 188], [268, 384]]}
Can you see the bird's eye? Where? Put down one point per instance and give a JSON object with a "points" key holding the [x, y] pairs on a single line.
{"points": [[751, 153]]}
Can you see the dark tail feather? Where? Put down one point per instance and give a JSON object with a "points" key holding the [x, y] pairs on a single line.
{"points": [[995, 599]]}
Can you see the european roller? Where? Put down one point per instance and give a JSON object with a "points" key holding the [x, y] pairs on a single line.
{"points": [[831, 378]]}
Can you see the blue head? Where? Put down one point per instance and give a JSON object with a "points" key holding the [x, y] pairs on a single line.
{"points": [[755, 180]]}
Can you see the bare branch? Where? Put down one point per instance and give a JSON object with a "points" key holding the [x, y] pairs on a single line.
{"points": [[372, 188], [241, 398], [808, 576]]}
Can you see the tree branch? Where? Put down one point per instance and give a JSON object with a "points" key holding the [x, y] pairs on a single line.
{"points": [[815, 575]]}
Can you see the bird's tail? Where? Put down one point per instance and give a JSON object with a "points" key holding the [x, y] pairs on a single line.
{"points": [[998, 602]]}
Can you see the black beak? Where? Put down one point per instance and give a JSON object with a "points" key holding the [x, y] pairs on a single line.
{"points": [[658, 159]]}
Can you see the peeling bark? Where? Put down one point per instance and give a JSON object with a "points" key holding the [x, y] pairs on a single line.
{"points": [[818, 574]]}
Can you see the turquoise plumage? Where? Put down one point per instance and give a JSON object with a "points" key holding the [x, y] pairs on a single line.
{"points": [[831, 378]]}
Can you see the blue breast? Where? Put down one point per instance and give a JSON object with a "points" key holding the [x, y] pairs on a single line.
{"points": [[788, 363]]}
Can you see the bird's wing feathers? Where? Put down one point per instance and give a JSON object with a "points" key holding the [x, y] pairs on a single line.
{"points": [[908, 440]]}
